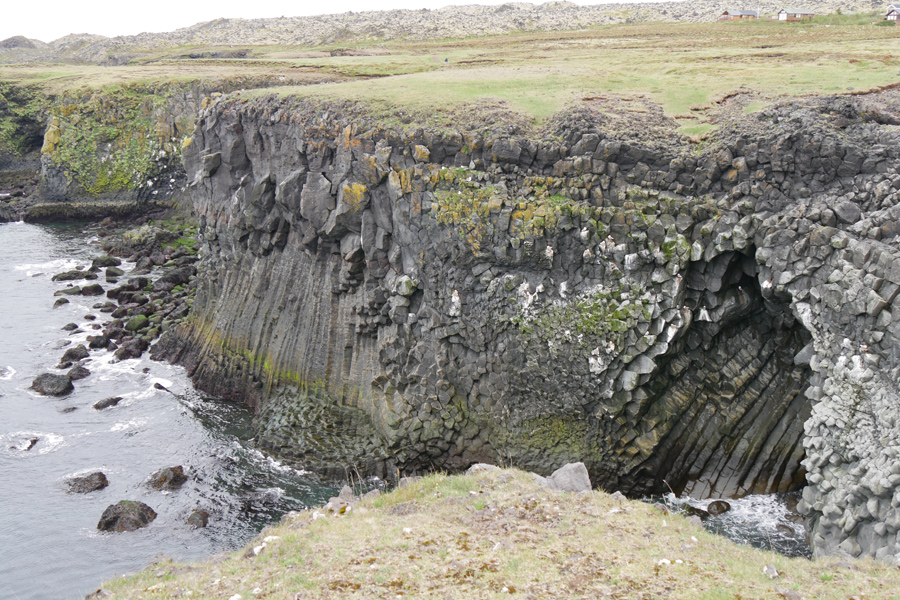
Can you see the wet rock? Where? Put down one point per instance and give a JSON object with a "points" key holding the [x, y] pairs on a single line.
{"points": [[95, 289], [107, 402], [173, 278], [99, 594], [136, 323], [87, 483], [718, 507], [105, 261], [693, 511], [69, 276], [69, 291], [97, 341], [78, 372], [127, 515], [75, 354], [50, 384], [169, 478], [132, 348], [70, 326], [60, 301], [198, 518]]}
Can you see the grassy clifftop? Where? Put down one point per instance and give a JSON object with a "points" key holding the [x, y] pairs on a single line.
{"points": [[499, 534], [691, 70]]}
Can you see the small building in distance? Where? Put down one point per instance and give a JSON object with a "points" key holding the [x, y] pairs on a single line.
{"points": [[738, 15], [794, 14], [893, 13]]}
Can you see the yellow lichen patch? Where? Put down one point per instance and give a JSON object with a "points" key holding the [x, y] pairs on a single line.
{"points": [[421, 153], [51, 137], [354, 195]]}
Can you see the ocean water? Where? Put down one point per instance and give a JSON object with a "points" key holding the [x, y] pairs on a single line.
{"points": [[49, 543]]}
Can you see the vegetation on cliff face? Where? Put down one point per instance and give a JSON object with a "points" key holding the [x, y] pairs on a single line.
{"points": [[114, 139], [21, 123], [498, 534]]}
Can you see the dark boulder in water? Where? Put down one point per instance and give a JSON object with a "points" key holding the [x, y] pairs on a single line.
{"points": [[49, 384], [69, 276], [88, 483], [105, 261], [78, 372], [75, 354], [693, 511], [170, 478], [718, 507], [199, 518], [107, 402], [127, 515], [95, 289]]}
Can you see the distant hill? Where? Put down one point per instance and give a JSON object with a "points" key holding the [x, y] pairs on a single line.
{"points": [[375, 26]]}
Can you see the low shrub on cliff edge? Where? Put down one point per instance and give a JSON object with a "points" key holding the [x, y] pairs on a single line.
{"points": [[499, 534]]}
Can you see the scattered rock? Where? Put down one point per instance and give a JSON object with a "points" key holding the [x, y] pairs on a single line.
{"points": [[95, 289], [107, 402], [60, 301], [481, 468], [73, 275], [198, 518], [75, 354], [50, 384], [78, 372], [69, 326], [169, 478], [127, 515], [718, 507], [99, 594], [572, 477], [88, 483], [136, 323]]}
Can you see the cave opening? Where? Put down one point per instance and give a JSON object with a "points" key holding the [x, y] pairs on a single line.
{"points": [[731, 393]]}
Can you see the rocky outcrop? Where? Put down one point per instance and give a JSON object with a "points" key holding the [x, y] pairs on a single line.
{"points": [[719, 321]]}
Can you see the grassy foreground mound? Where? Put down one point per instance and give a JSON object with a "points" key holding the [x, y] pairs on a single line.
{"points": [[499, 534]]}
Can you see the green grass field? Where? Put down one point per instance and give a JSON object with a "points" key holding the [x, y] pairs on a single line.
{"points": [[685, 68]]}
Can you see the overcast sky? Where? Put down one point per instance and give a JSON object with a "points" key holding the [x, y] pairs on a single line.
{"points": [[48, 20]]}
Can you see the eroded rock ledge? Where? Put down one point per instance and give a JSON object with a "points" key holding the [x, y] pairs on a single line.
{"points": [[719, 321]]}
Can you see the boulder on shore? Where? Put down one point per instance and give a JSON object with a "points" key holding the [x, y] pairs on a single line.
{"points": [[127, 515], [50, 384], [88, 483]]}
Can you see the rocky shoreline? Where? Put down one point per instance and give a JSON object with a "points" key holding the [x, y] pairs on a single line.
{"points": [[153, 296]]}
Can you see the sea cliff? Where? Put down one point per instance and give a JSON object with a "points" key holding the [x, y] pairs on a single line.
{"points": [[716, 320]]}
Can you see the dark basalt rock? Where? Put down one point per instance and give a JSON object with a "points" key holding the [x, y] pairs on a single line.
{"points": [[607, 293], [718, 507], [198, 518], [95, 289], [132, 348], [60, 301], [75, 354], [69, 276], [169, 478], [78, 372], [87, 483], [70, 326], [107, 402], [50, 384], [127, 515], [105, 261]]}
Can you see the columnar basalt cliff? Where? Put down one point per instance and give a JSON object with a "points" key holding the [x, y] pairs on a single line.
{"points": [[719, 320]]}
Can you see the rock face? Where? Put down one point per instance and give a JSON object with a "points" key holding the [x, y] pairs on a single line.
{"points": [[127, 515], [717, 321]]}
